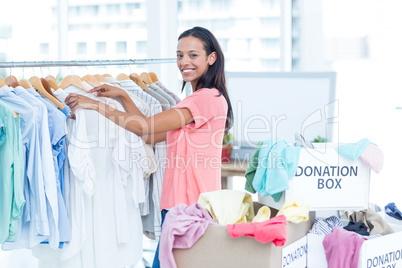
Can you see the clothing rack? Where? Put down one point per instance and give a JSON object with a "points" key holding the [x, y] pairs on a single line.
{"points": [[72, 63]]}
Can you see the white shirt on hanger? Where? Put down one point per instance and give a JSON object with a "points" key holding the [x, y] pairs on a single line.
{"points": [[152, 222], [112, 217]]}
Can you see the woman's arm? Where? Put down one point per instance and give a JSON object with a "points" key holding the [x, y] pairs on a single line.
{"points": [[154, 138], [152, 129]]}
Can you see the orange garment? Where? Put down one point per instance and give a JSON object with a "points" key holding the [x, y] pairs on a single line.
{"points": [[194, 151]]}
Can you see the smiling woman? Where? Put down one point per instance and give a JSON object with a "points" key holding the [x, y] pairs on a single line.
{"points": [[192, 59], [193, 128]]}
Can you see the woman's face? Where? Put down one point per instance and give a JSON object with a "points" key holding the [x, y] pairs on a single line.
{"points": [[192, 59]]}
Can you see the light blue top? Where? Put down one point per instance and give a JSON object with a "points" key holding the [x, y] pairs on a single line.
{"points": [[57, 128], [353, 150], [58, 132], [35, 207], [276, 166], [29, 239], [67, 112], [11, 173], [61, 155], [2, 130]]}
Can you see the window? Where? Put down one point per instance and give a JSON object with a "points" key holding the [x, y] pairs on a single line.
{"points": [[185, 6], [270, 65], [224, 44], [74, 12], [223, 25], [131, 8], [242, 29], [100, 47], [44, 48], [6, 31], [271, 4], [141, 47], [3, 71], [222, 4], [270, 45], [121, 47], [347, 48], [81, 48], [179, 7], [113, 10]]}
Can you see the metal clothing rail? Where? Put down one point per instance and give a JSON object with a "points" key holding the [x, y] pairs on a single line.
{"points": [[22, 64]]}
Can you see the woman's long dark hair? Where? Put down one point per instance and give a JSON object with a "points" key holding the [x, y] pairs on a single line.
{"points": [[215, 75]]}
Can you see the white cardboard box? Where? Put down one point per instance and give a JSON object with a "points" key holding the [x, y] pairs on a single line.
{"points": [[382, 252], [295, 255], [385, 251], [326, 180]]}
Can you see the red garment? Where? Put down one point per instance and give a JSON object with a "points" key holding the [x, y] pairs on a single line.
{"points": [[273, 230]]}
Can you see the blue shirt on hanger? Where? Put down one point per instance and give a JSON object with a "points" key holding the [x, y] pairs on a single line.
{"points": [[12, 197], [58, 132], [27, 239], [57, 128], [34, 190]]}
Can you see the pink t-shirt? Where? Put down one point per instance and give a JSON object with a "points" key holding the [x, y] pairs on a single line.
{"points": [[194, 151]]}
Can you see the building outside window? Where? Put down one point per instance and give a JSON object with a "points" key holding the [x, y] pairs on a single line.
{"points": [[121, 47], [242, 27], [101, 48], [44, 48], [81, 48]]}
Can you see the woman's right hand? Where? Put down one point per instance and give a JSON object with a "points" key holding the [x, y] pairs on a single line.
{"points": [[107, 91]]}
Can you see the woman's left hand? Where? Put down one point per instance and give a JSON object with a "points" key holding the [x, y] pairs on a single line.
{"points": [[76, 101]]}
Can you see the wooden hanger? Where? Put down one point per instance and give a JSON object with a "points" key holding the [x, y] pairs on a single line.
{"points": [[52, 82], [153, 77], [12, 81], [122, 77], [37, 84], [72, 80], [107, 75], [2, 82], [47, 87], [146, 78], [100, 78], [90, 79], [137, 79], [25, 83]]}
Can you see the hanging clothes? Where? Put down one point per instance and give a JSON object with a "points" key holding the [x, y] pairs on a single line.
{"points": [[35, 219], [158, 90], [49, 177], [110, 217], [62, 201], [11, 171], [162, 86], [151, 220], [58, 132], [163, 101]]}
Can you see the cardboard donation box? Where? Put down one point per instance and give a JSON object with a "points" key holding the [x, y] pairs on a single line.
{"points": [[216, 249], [326, 180]]}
